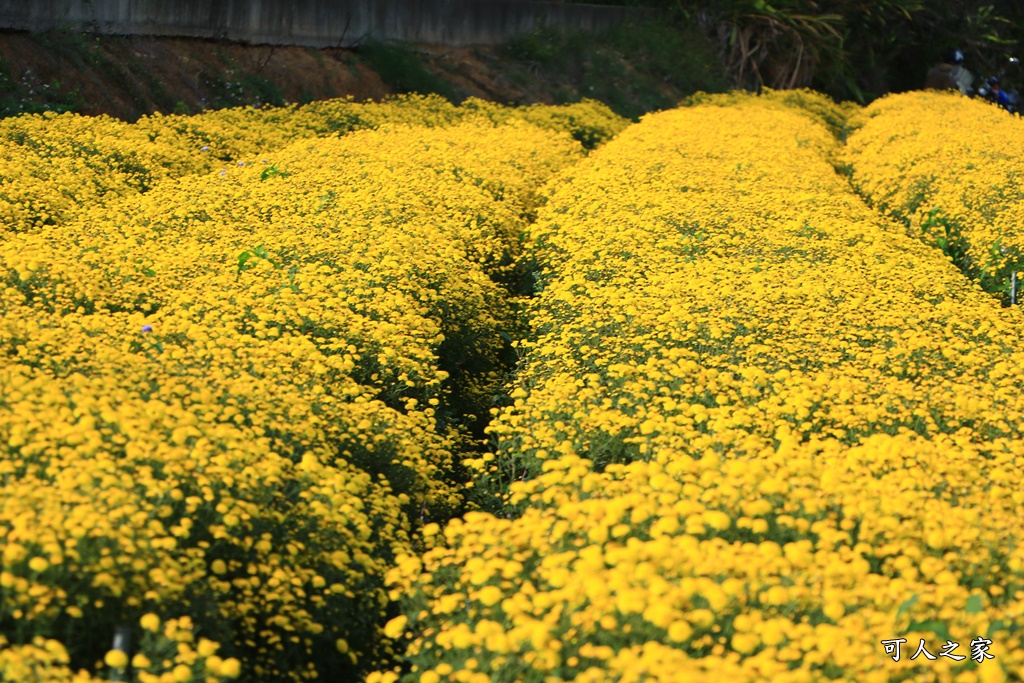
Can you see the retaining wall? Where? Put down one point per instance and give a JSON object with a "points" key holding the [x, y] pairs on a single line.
{"points": [[314, 23]]}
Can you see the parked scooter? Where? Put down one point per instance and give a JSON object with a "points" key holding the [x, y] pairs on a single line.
{"points": [[992, 89]]}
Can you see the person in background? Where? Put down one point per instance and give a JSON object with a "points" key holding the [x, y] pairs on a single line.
{"points": [[950, 74]]}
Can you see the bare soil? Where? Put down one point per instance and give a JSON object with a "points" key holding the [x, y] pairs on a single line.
{"points": [[128, 76]]}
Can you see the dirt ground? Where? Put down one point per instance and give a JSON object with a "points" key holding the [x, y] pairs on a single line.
{"points": [[127, 76]]}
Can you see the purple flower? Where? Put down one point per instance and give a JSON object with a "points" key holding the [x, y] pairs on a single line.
{"points": [[147, 328], [204, 148]]}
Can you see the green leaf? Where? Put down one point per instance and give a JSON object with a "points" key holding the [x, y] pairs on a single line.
{"points": [[149, 272], [997, 625], [242, 258], [974, 604], [936, 627], [907, 604], [271, 171]]}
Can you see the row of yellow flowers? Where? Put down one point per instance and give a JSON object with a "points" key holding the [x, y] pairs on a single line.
{"points": [[949, 169], [758, 431], [175, 655], [227, 403], [53, 165]]}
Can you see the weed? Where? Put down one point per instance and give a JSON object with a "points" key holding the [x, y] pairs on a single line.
{"points": [[400, 68], [234, 88], [634, 68], [27, 95]]}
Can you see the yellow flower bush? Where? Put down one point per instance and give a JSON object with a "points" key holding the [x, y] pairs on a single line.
{"points": [[233, 397], [757, 430], [55, 164], [172, 652], [41, 661], [839, 118], [588, 121], [951, 176], [244, 133]]}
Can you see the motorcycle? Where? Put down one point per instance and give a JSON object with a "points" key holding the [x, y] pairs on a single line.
{"points": [[992, 90]]}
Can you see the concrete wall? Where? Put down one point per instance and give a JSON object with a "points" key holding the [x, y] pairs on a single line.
{"points": [[314, 23]]}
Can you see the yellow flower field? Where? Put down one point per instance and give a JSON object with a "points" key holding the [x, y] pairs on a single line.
{"points": [[54, 164], [743, 423], [231, 398], [952, 176], [757, 431]]}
